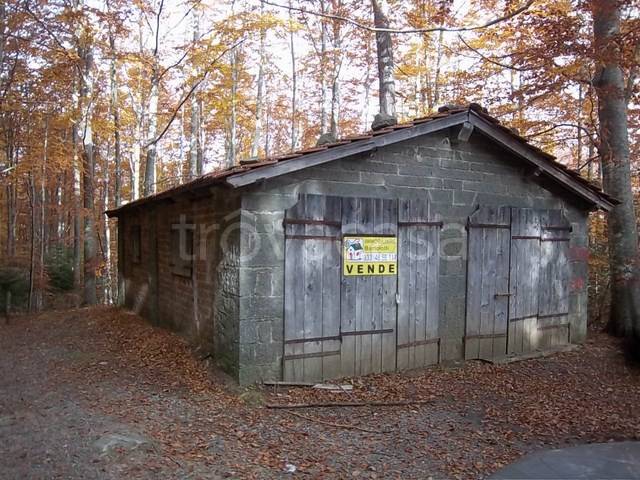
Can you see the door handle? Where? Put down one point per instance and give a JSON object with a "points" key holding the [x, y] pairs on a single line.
{"points": [[503, 295]]}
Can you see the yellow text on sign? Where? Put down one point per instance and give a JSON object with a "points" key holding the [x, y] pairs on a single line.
{"points": [[370, 256]]}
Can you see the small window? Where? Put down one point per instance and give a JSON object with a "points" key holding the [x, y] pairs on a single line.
{"points": [[135, 244], [181, 260]]}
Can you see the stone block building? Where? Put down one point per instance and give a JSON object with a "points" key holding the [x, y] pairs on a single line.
{"points": [[446, 238]]}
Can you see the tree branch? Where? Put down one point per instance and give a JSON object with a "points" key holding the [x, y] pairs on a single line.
{"points": [[44, 26], [494, 62], [190, 92], [369, 28], [561, 125], [155, 50]]}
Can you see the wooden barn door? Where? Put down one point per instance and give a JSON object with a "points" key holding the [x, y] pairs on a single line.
{"points": [[418, 275], [524, 280], [368, 303], [312, 289], [380, 317], [517, 282], [488, 283], [553, 316]]}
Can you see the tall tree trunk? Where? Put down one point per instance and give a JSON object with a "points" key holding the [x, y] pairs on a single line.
{"points": [[257, 132], [384, 45], [136, 153], [43, 221], [78, 213], [151, 150], [233, 120], [324, 120], [12, 198], [115, 117], [88, 171], [294, 86], [31, 185], [614, 151], [106, 234], [336, 66], [436, 79], [194, 139]]}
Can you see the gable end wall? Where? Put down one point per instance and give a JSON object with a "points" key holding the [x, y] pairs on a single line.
{"points": [[456, 176]]}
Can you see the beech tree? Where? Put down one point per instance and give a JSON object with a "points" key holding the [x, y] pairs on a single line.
{"points": [[613, 97]]}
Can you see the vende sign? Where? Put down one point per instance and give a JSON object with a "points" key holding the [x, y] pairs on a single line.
{"points": [[370, 256]]}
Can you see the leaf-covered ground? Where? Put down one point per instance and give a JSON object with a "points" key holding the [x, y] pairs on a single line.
{"points": [[70, 381]]}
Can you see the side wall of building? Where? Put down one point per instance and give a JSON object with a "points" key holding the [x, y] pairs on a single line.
{"points": [[456, 176], [203, 305]]}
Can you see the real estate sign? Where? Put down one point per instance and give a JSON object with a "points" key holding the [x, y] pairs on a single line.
{"points": [[370, 256]]}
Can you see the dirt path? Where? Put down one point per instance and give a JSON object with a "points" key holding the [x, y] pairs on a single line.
{"points": [[98, 393]]}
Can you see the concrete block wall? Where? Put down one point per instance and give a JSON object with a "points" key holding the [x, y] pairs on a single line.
{"points": [[456, 176]]}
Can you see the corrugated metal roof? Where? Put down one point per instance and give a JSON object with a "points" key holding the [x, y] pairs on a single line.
{"points": [[219, 177]]}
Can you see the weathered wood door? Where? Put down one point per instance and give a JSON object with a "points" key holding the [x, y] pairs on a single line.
{"points": [[368, 303], [340, 325], [524, 280], [312, 289], [553, 316], [517, 281], [488, 283], [418, 274]]}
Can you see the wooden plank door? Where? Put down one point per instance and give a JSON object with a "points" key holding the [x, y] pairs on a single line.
{"points": [[368, 307], [524, 280], [312, 289], [488, 283], [418, 275], [553, 317]]}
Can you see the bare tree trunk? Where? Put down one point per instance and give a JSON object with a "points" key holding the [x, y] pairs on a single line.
{"points": [[150, 186], [32, 246], [136, 154], [78, 213], [43, 221], [151, 150], [367, 90], [90, 241], [614, 151], [335, 82], [201, 140], [323, 65], [436, 79], [194, 139], [257, 132], [115, 117], [232, 138], [384, 45], [12, 198], [294, 87], [106, 234]]}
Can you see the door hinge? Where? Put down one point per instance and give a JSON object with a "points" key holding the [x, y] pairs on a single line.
{"points": [[397, 299]]}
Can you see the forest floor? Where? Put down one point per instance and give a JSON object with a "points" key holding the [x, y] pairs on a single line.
{"points": [[98, 393]]}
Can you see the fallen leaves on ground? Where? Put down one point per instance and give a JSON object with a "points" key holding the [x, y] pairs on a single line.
{"points": [[477, 417]]}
